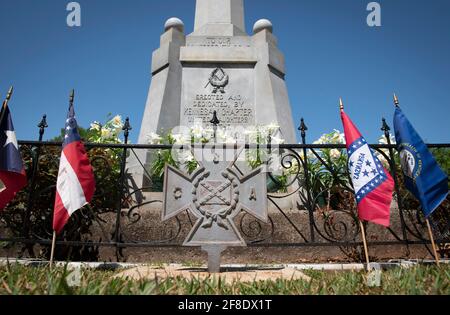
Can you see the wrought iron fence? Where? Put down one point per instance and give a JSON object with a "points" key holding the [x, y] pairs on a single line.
{"points": [[321, 210]]}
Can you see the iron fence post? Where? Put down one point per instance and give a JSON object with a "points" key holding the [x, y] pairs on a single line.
{"points": [[126, 129], [215, 122], [303, 128], [35, 154], [386, 129]]}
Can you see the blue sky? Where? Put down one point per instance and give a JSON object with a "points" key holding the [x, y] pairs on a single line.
{"points": [[330, 52]]}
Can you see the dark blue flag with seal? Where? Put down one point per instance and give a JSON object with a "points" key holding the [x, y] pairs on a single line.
{"points": [[423, 176]]}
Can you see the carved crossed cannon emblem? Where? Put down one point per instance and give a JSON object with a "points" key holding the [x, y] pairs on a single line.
{"points": [[215, 194], [219, 80]]}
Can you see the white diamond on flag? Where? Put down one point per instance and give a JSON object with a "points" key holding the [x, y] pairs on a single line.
{"points": [[364, 168]]}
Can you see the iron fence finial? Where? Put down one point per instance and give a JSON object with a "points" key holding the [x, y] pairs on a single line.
{"points": [[215, 121], [303, 128], [385, 127], [127, 125], [126, 128], [42, 125]]}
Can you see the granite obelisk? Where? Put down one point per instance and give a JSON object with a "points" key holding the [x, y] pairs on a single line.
{"points": [[218, 67]]}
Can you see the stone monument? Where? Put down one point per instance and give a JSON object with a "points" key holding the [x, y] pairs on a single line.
{"points": [[218, 67]]}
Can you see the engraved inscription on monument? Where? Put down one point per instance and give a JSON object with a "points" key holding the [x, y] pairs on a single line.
{"points": [[230, 92], [218, 42]]}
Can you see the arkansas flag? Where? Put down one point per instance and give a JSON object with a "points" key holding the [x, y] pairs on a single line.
{"points": [[76, 184], [12, 173], [372, 183]]}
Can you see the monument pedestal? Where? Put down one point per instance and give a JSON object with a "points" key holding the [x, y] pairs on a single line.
{"points": [[218, 68]]}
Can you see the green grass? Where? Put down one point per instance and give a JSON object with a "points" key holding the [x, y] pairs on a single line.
{"points": [[16, 279]]}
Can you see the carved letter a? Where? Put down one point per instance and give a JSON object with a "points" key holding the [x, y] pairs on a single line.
{"points": [[253, 194]]}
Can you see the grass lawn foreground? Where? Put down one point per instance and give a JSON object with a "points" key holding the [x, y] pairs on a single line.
{"points": [[418, 280]]}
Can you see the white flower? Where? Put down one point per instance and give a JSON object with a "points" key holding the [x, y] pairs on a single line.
{"points": [[96, 126], [251, 130], [225, 136], [383, 160], [383, 140], [154, 138], [221, 135], [275, 167], [208, 134], [106, 133], [335, 154], [117, 122], [272, 127], [184, 156], [337, 137], [321, 140], [197, 131], [230, 140], [342, 138], [181, 139], [277, 140], [252, 134]]}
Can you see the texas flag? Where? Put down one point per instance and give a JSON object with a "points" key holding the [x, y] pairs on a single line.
{"points": [[76, 184], [372, 183], [12, 173]]}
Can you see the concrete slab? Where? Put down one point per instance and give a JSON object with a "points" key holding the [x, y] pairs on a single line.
{"points": [[229, 275]]}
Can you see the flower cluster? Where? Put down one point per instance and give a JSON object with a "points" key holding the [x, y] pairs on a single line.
{"points": [[198, 134], [108, 132], [228, 135], [335, 137]]}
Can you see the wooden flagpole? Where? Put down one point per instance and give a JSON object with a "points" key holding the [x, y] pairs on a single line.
{"points": [[361, 225], [433, 244], [52, 254], [366, 249]]}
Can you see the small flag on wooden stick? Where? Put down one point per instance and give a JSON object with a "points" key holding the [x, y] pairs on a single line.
{"points": [[76, 184]]}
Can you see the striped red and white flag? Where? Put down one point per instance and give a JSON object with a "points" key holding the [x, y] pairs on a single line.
{"points": [[76, 184]]}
